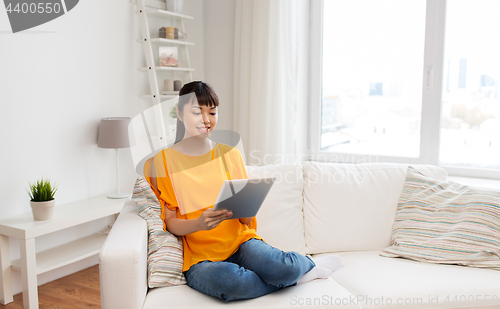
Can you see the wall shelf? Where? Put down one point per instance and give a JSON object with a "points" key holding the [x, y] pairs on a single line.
{"points": [[158, 68], [162, 96], [162, 41], [147, 9], [165, 14]]}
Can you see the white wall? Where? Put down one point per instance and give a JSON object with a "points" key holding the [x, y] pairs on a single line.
{"points": [[219, 55], [56, 82]]}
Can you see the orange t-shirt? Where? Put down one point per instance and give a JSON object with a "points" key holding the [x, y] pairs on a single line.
{"points": [[194, 183]]}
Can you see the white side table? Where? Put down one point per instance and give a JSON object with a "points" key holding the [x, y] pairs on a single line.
{"points": [[31, 263]]}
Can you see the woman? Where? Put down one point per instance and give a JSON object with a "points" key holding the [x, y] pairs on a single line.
{"points": [[223, 257]]}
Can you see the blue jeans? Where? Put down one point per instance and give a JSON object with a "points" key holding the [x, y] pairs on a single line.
{"points": [[256, 269]]}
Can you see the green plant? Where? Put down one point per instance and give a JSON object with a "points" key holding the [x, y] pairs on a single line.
{"points": [[173, 113], [41, 191]]}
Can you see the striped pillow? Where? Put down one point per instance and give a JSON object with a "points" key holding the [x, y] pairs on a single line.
{"points": [[165, 258], [446, 222]]}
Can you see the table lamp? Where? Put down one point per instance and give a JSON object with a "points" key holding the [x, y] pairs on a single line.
{"points": [[113, 133]]}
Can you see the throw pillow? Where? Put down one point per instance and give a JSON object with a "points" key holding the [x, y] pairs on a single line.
{"points": [[165, 256], [446, 222]]}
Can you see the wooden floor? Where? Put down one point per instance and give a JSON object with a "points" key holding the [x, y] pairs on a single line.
{"points": [[79, 290]]}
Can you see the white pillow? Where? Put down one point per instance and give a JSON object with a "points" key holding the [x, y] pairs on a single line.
{"points": [[280, 220], [350, 207]]}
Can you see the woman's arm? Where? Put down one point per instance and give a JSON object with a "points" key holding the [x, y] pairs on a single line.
{"points": [[208, 220]]}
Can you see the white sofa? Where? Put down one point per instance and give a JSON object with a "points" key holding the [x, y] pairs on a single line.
{"points": [[313, 208]]}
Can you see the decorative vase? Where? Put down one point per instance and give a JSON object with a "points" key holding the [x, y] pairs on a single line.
{"points": [[42, 210], [174, 6]]}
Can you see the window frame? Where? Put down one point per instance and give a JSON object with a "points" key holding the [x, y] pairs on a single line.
{"points": [[432, 87]]}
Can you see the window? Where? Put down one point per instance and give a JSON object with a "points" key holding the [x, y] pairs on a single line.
{"points": [[470, 104], [409, 81]]}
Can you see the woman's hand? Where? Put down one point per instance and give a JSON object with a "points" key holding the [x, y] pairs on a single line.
{"points": [[246, 220], [210, 218]]}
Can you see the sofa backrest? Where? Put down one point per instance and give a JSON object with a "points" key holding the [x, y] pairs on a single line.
{"points": [[351, 207], [318, 207], [280, 221]]}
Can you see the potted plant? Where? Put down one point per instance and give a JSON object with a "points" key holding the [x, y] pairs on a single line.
{"points": [[42, 199]]}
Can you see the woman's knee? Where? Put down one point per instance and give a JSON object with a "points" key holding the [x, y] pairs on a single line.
{"points": [[234, 290], [288, 270], [226, 283]]}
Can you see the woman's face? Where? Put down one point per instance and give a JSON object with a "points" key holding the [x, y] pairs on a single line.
{"points": [[199, 121]]}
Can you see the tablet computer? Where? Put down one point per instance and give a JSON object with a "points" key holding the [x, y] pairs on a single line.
{"points": [[243, 197]]}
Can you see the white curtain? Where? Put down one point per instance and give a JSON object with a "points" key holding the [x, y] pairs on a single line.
{"points": [[271, 79]]}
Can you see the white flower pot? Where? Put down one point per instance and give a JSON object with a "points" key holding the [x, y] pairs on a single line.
{"points": [[42, 210]]}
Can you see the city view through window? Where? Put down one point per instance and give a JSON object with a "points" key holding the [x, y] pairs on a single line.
{"points": [[373, 75], [470, 114]]}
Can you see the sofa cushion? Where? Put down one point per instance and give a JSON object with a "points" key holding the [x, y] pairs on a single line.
{"points": [[350, 207], [446, 222], [386, 280], [165, 256], [280, 220], [319, 293]]}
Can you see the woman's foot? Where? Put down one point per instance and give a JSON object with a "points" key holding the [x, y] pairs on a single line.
{"points": [[331, 262], [315, 273]]}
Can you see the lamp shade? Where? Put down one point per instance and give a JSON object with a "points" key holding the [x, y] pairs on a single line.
{"points": [[113, 133]]}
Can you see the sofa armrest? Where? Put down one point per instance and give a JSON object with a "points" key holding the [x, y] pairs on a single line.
{"points": [[123, 261]]}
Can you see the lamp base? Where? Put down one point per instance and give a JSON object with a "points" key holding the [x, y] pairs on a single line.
{"points": [[118, 195]]}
